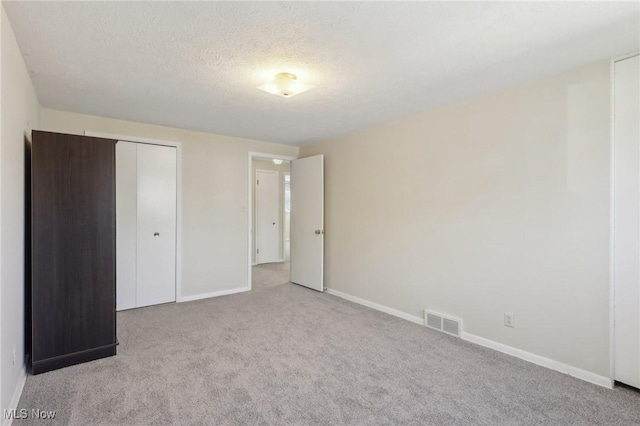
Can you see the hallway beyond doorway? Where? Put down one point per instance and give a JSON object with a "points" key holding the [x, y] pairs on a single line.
{"points": [[269, 275]]}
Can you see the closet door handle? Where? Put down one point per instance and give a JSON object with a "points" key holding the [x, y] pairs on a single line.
{"points": [[156, 234]]}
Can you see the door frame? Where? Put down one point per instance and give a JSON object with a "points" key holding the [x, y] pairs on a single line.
{"points": [[251, 156], [178, 146], [612, 284]]}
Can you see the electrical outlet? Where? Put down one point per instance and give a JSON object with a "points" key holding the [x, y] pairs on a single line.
{"points": [[509, 319]]}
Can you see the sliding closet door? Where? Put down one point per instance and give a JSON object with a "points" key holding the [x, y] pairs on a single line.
{"points": [[146, 224], [126, 224], [156, 225]]}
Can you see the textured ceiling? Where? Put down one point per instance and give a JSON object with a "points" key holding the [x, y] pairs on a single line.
{"points": [[195, 65]]}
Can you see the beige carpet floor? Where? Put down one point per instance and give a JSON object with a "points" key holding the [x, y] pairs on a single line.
{"points": [[287, 355], [269, 275]]}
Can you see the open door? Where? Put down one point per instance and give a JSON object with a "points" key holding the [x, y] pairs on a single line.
{"points": [[307, 222]]}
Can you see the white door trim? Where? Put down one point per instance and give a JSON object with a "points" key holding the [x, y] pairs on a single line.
{"points": [[612, 284], [251, 156], [178, 146]]}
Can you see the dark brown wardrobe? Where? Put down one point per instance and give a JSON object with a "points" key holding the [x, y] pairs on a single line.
{"points": [[71, 317]]}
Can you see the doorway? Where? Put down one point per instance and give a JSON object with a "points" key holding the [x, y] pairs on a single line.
{"points": [[269, 221]]}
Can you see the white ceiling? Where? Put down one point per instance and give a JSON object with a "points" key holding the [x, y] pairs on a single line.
{"points": [[195, 65]]}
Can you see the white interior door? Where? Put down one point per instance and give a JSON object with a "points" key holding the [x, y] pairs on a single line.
{"points": [[626, 262], [268, 216], [156, 225], [126, 223], [307, 222]]}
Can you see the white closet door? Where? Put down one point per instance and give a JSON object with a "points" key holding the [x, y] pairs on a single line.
{"points": [[156, 225], [268, 214], [627, 220], [126, 223]]}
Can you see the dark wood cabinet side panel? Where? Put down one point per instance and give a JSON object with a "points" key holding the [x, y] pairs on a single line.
{"points": [[73, 250], [27, 248]]}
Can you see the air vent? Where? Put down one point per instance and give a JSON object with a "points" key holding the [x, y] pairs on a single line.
{"points": [[451, 326], [444, 323], [434, 321]]}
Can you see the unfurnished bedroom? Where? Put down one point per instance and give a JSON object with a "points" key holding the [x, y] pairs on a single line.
{"points": [[320, 213]]}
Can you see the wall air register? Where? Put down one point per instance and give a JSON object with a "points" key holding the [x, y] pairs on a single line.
{"points": [[444, 323]]}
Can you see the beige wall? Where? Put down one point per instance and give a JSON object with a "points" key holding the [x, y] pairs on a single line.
{"points": [[214, 195], [19, 113], [500, 203], [260, 164]]}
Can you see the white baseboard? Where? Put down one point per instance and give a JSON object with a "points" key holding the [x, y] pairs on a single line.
{"points": [[576, 372], [500, 347], [15, 399], [376, 306], [212, 294]]}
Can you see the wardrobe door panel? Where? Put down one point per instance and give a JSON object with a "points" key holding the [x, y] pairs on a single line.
{"points": [[73, 248]]}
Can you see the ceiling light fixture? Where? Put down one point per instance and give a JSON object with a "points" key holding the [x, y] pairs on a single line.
{"points": [[277, 161], [286, 85]]}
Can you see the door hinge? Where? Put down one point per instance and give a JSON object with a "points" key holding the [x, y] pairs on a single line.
{"points": [[258, 251], [257, 182]]}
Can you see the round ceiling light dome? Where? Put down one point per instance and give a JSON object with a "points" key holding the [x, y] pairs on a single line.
{"points": [[286, 85]]}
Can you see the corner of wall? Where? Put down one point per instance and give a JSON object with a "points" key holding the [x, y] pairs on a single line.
{"points": [[16, 122]]}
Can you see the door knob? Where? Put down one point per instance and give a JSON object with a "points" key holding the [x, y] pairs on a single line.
{"points": [[273, 223], [319, 231], [156, 234]]}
